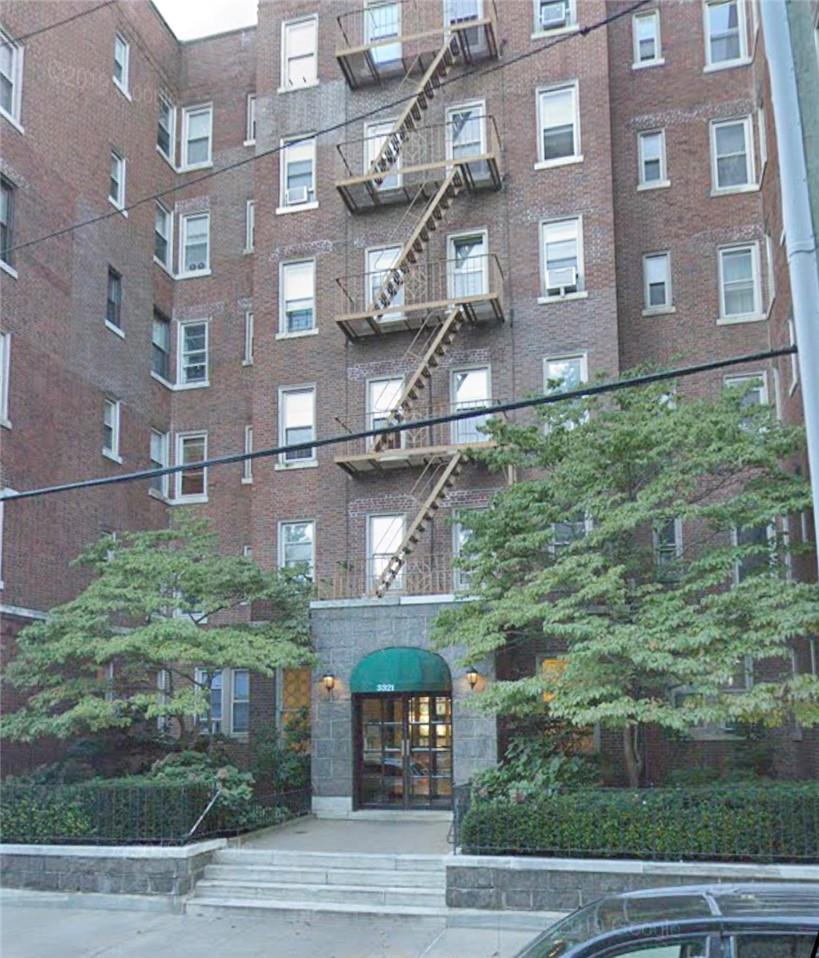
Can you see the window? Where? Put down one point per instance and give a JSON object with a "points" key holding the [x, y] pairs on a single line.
{"points": [[732, 154], [192, 481], [554, 14], [754, 387], [667, 540], [558, 122], [298, 297], [740, 297], [385, 533], [379, 263], [471, 389], [466, 131], [757, 540], [299, 59], [562, 258], [5, 369], [651, 146], [121, 56], [250, 226], [159, 460], [376, 135], [161, 346], [725, 40], [197, 124], [467, 266], [297, 546], [297, 418], [769, 263], [383, 396], [11, 78], [567, 531], [193, 354], [166, 128], [763, 139], [793, 357], [566, 374], [195, 243], [250, 119], [113, 307], [247, 464], [7, 195], [248, 353], [228, 692], [656, 282], [240, 704], [382, 22], [116, 186], [110, 428], [646, 36], [298, 160], [162, 236], [460, 537]]}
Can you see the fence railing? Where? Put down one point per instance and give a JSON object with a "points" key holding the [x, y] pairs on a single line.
{"points": [[421, 575]]}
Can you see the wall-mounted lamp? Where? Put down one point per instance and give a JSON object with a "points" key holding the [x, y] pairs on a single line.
{"points": [[329, 681], [472, 676]]}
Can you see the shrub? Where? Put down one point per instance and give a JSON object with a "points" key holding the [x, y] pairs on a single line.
{"points": [[282, 761], [775, 822]]}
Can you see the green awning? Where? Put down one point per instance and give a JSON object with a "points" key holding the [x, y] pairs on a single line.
{"points": [[401, 670]]}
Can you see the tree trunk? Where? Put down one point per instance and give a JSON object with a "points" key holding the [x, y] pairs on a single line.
{"points": [[633, 756]]}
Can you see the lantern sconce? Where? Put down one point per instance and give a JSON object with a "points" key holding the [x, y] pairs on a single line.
{"points": [[472, 676], [329, 681]]}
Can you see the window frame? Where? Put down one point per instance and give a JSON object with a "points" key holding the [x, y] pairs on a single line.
{"points": [[113, 451], [657, 546], [16, 80], [577, 155], [7, 260], [179, 445], [750, 161], [370, 574], [250, 120], [581, 355], [571, 25], [247, 359], [285, 144], [794, 358], [187, 113], [250, 226], [284, 85], [247, 464], [470, 426], [284, 332], [5, 377], [168, 217], [281, 551], [159, 317], [227, 700], [757, 314], [663, 181], [372, 415], [582, 288], [123, 86], [303, 461], [115, 276], [118, 202], [182, 382], [170, 156], [165, 449], [742, 26], [668, 305], [182, 271], [658, 59]]}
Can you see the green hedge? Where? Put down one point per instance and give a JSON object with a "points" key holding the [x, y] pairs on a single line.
{"points": [[754, 822]]}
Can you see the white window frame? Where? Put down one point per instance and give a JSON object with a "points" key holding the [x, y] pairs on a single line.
{"points": [[479, 105], [584, 377], [571, 25], [373, 415], [247, 464], [7, 257], [187, 112], [281, 550], [757, 313], [181, 377], [118, 202], [284, 85], [735, 380], [179, 447], [770, 528], [250, 120], [14, 117], [5, 377], [668, 306], [370, 575], [307, 461], [375, 135], [156, 316], [743, 57], [452, 240], [184, 219], [748, 126], [284, 332], [123, 86], [250, 226], [164, 451], [577, 156], [658, 59], [762, 132], [168, 264], [114, 327], [642, 182], [309, 204], [228, 699], [678, 542], [248, 350], [582, 291], [794, 358], [469, 426], [112, 452], [170, 157]]}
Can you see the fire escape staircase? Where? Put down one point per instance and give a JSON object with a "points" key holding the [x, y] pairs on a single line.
{"points": [[441, 482]]}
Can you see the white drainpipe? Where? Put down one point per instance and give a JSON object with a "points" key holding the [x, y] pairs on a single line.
{"points": [[796, 217]]}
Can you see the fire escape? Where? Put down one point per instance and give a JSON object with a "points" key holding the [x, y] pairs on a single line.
{"points": [[429, 167]]}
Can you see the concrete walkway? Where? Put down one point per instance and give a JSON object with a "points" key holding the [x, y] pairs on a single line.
{"points": [[365, 836]]}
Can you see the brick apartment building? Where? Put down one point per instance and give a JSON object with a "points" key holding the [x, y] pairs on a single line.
{"points": [[611, 202]]}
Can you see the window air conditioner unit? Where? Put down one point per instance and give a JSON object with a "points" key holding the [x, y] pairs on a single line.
{"points": [[297, 195], [561, 280], [553, 15]]}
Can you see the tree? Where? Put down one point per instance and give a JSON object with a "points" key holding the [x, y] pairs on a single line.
{"points": [[569, 556], [162, 603]]}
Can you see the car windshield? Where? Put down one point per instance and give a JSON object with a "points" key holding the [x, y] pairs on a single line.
{"points": [[609, 914]]}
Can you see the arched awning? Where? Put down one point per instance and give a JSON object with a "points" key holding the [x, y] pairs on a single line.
{"points": [[401, 670]]}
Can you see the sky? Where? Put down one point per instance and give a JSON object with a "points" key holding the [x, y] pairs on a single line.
{"points": [[190, 19]]}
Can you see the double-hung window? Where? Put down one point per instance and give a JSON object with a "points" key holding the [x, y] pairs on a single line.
{"points": [[228, 693], [297, 546], [754, 387], [562, 257], [159, 460], [554, 14], [375, 135], [297, 423], [250, 120], [195, 240], [197, 132], [558, 125], [726, 42], [247, 358], [646, 38], [732, 152], [11, 78], [460, 538], [382, 23], [566, 374], [7, 196], [383, 396], [385, 533], [757, 543], [5, 369], [122, 52], [298, 172], [668, 546], [193, 354], [240, 702], [470, 389], [163, 229], [740, 297], [250, 226], [111, 410], [192, 481], [161, 346], [166, 128], [247, 464], [652, 161], [656, 282], [116, 183], [113, 306], [568, 530], [299, 53], [297, 307]]}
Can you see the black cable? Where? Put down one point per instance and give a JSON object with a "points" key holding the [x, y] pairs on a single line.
{"points": [[61, 23], [552, 397], [583, 31]]}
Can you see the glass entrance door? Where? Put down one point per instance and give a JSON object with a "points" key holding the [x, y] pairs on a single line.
{"points": [[404, 750]]}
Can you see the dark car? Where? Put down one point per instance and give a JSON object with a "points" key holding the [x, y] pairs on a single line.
{"points": [[697, 921]]}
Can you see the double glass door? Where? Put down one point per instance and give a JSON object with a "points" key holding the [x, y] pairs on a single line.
{"points": [[404, 750]]}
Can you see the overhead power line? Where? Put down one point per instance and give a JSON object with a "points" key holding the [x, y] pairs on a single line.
{"points": [[492, 68], [590, 389], [62, 23]]}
